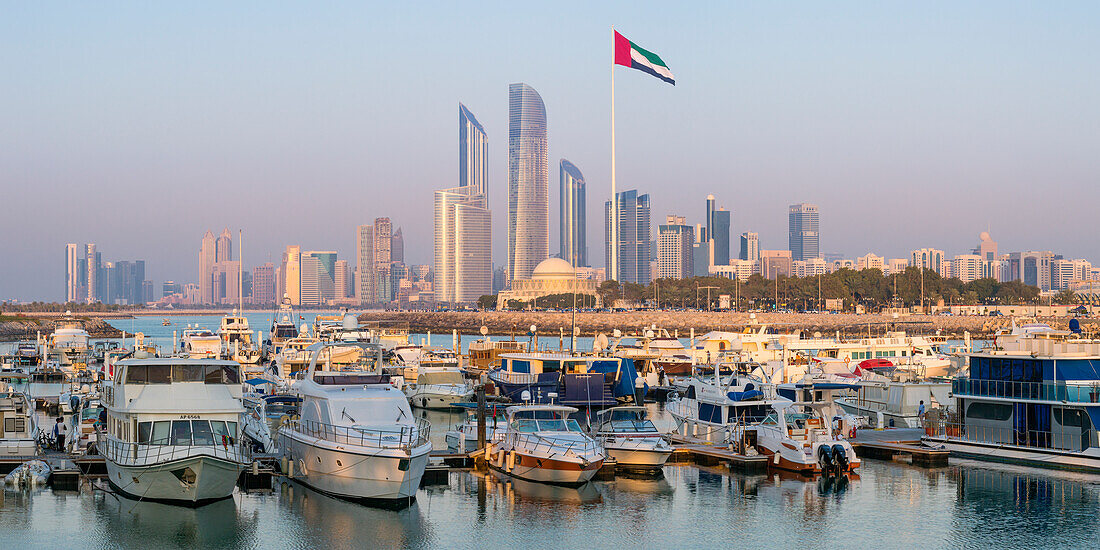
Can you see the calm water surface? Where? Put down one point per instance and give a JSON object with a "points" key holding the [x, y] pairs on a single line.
{"points": [[889, 505]]}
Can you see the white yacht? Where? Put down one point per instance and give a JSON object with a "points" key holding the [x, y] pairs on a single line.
{"points": [[171, 432], [630, 438], [543, 444], [200, 343], [895, 404], [68, 344], [18, 428], [711, 407], [356, 437], [797, 437], [438, 388], [236, 340]]}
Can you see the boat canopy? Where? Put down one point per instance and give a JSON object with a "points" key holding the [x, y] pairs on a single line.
{"points": [[628, 374], [445, 377]]}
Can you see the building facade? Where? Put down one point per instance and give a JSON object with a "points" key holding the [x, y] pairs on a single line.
{"points": [[572, 215], [750, 247], [927, 258], [263, 284], [528, 203], [634, 246], [473, 153], [291, 275], [803, 237], [207, 258], [463, 269], [364, 249], [675, 248]]}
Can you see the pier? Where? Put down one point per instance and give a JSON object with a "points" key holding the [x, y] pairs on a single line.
{"points": [[890, 443], [697, 451]]}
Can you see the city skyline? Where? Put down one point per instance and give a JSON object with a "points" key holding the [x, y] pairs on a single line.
{"points": [[964, 150]]}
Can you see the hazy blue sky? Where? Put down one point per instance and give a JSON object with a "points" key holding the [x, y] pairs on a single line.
{"points": [[140, 126]]}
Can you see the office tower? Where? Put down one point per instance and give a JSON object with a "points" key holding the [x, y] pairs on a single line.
{"points": [[263, 284], [91, 264], [709, 218], [383, 247], [500, 279], [207, 257], [775, 262], [700, 252], [107, 283], [124, 282], [146, 292], [318, 277], [397, 246], [750, 246], [528, 205], [572, 215], [340, 277], [74, 273], [473, 153], [364, 247], [927, 258], [803, 239], [634, 237], [223, 247], [720, 237], [292, 275], [226, 282], [463, 241], [1035, 268], [987, 247], [169, 288], [675, 243]]}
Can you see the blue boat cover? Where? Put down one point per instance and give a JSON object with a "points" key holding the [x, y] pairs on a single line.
{"points": [[744, 395], [627, 374]]}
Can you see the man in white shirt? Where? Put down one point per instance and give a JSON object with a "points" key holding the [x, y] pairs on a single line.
{"points": [[60, 430]]}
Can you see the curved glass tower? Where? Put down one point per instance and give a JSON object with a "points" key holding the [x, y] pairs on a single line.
{"points": [[473, 153], [528, 203], [573, 239]]}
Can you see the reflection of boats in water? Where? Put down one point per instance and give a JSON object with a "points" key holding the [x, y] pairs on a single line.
{"points": [[543, 492], [347, 525], [132, 523]]}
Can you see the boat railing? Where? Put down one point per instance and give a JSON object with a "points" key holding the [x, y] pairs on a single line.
{"points": [[556, 445], [132, 453], [513, 377], [398, 437], [1039, 391], [1058, 438]]}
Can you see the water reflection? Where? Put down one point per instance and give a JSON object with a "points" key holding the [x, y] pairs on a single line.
{"points": [[127, 523], [342, 523]]}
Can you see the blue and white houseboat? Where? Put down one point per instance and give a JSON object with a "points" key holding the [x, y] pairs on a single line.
{"points": [[574, 380], [1033, 397]]}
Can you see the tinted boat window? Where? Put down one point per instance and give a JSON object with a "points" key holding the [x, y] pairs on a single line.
{"points": [[160, 374], [181, 432], [136, 374], [201, 432], [221, 433], [187, 373], [160, 432], [144, 430]]}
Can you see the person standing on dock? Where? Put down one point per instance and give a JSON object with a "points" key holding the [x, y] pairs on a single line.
{"points": [[920, 412], [60, 430]]}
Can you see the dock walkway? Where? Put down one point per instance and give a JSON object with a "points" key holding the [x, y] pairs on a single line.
{"points": [[887, 444], [689, 449]]}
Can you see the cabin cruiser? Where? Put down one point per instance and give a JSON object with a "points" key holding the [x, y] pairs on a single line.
{"points": [[629, 437], [890, 403], [711, 406], [18, 427], [438, 388], [84, 425], [798, 437], [356, 437], [264, 414], [69, 344], [200, 343], [571, 379], [1032, 397], [171, 433], [484, 353], [463, 437], [25, 355], [283, 328], [236, 340], [543, 444]]}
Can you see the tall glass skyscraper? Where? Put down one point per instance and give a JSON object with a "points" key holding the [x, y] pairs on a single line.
{"points": [[717, 236], [573, 237], [473, 153], [635, 237], [528, 202], [803, 235], [463, 245]]}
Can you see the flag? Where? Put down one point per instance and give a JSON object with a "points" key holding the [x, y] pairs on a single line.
{"points": [[628, 54]]}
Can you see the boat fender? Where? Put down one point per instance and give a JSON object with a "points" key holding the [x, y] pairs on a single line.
{"points": [[840, 456], [500, 458], [852, 433], [511, 460]]}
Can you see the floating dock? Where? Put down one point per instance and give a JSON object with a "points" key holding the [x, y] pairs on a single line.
{"points": [[888, 444], [689, 449]]}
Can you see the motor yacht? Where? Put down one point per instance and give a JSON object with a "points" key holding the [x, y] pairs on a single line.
{"points": [[438, 388], [18, 427], [542, 444], [629, 437], [574, 380], [283, 327], [200, 343], [797, 437], [68, 344], [356, 437], [711, 406], [171, 431], [264, 414], [236, 340]]}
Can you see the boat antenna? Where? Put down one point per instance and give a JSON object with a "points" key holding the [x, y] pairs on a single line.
{"points": [[344, 412]]}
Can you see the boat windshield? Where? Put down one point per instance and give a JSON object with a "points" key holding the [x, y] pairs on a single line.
{"points": [[528, 425], [797, 420], [771, 420], [632, 426]]}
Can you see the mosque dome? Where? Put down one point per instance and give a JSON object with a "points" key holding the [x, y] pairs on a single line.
{"points": [[554, 268]]}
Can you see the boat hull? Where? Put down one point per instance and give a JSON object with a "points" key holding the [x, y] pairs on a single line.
{"points": [[547, 470], [192, 481], [646, 459], [388, 477], [437, 401], [995, 452]]}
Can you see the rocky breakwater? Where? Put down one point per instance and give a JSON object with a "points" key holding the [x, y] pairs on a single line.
{"points": [[27, 328], [682, 322]]}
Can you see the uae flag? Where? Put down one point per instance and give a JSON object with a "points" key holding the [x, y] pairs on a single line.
{"points": [[629, 54]]}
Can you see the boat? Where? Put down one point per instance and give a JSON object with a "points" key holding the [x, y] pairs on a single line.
{"points": [[629, 437], [484, 353], [890, 403], [797, 437], [356, 437], [463, 437], [710, 407], [1031, 397], [68, 344], [165, 322], [84, 425], [32, 473], [26, 355], [263, 417], [568, 379], [18, 424], [171, 433], [542, 444], [283, 327], [236, 340], [438, 388], [200, 343]]}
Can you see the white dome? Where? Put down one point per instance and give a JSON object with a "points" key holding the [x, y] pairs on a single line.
{"points": [[554, 268]]}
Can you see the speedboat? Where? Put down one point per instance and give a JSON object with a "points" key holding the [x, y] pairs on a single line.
{"points": [[629, 437], [171, 432], [356, 437], [798, 438], [463, 438], [543, 444], [439, 388], [18, 428]]}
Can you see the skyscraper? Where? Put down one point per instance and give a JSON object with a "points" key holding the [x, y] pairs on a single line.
{"points": [[383, 247], [91, 265], [263, 284], [207, 257], [318, 277], [750, 246], [223, 247], [675, 241], [572, 214], [635, 240], [720, 237], [528, 205], [803, 232], [364, 247], [341, 279], [473, 153], [463, 242], [292, 275], [397, 247], [74, 273]]}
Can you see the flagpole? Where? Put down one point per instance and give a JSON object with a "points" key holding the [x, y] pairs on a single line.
{"points": [[614, 244]]}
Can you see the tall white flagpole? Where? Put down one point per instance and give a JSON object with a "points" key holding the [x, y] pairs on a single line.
{"points": [[614, 244]]}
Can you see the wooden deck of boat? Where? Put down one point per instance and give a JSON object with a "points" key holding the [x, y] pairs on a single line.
{"points": [[689, 449]]}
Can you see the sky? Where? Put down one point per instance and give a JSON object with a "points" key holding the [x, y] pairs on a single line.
{"points": [[139, 126]]}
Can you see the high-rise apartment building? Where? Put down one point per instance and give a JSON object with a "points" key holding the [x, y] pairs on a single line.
{"points": [[383, 248], [74, 273], [473, 153], [463, 242], [291, 275], [675, 242], [718, 233], [635, 237], [318, 277], [802, 222], [207, 258], [364, 249], [572, 216], [341, 279], [1035, 268], [223, 247], [750, 247], [774, 263], [263, 284], [927, 258], [397, 246], [226, 283], [700, 252], [528, 203], [91, 265]]}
